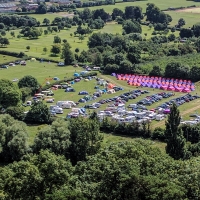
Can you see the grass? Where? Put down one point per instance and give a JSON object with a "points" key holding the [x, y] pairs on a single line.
{"points": [[162, 4], [37, 45], [5, 59], [190, 18], [37, 70]]}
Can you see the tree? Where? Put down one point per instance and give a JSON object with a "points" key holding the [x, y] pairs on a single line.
{"points": [[71, 34], [67, 54], [12, 33], [85, 138], [64, 40], [55, 138], [46, 21], [156, 71], [39, 113], [13, 139], [133, 12], [10, 95], [131, 27], [57, 39], [42, 8], [29, 82], [77, 50], [45, 50], [81, 37], [174, 135], [46, 32], [4, 41], [17, 112], [196, 29], [181, 22], [134, 54], [56, 49], [117, 13], [28, 48], [3, 33], [195, 73]]}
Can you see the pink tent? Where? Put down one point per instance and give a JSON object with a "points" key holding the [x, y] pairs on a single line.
{"points": [[186, 90], [171, 88], [164, 87]]}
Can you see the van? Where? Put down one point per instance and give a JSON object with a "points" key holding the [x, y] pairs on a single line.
{"points": [[61, 64], [96, 68], [57, 110], [65, 105], [28, 103]]}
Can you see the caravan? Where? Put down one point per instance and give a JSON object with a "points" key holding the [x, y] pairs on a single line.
{"points": [[57, 110]]}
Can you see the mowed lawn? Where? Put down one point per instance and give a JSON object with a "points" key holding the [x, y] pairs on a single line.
{"points": [[41, 71]]}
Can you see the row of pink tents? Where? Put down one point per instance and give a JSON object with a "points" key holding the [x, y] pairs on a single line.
{"points": [[177, 85]]}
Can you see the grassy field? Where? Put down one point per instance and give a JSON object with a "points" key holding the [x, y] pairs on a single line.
{"points": [[37, 45], [5, 59], [190, 18], [37, 70], [162, 4]]}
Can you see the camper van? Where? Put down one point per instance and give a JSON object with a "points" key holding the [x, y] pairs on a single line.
{"points": [[65, 105]]}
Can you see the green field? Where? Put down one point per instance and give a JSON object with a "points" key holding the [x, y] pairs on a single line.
{"points": [[5, 59], [162, 4], [37, 45], [190, 18]]}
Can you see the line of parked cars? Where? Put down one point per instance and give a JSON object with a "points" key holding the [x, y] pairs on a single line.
{"points": [[123, 98], [149, 100], [179, 100]]}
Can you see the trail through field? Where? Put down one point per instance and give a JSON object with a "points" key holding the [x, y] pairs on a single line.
{"points": [[113, 81], [159, 124]]}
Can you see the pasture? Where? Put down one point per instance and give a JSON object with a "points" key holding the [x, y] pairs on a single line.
{"points": [[5, 59], [37, 45], [190, 18], [162, 4]]}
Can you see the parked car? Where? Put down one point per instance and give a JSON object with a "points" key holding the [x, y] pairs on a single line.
{"points": [[61, 64], [4, 66]]}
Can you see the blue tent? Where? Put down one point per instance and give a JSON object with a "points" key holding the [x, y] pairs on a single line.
{"points": [[56, 79], [70, 90], [83, 93], [72, 82], [76, 74]]}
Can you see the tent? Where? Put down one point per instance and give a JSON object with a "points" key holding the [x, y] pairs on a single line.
{"points": [[83, 93], [70, 90], [76, 74], [163, 87], [186, 90], [77, 80], [113, 74], [56, 79], [33, 60], [111, 91]]}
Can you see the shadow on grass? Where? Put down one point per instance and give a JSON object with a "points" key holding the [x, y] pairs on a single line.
{"points": [[54, 55]]}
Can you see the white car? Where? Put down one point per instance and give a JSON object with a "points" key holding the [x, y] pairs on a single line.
{"points": [[61, 64]]}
